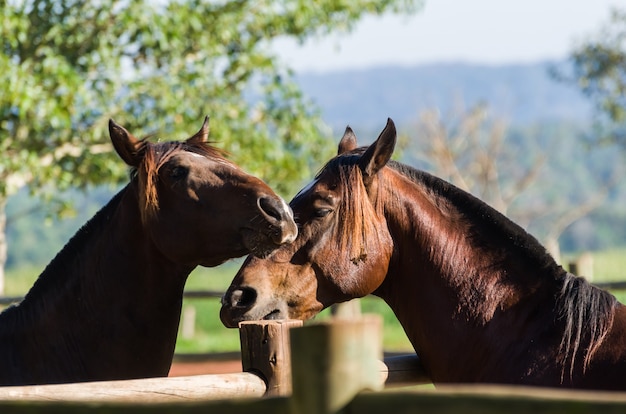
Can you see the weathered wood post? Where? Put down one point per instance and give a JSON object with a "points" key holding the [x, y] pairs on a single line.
{"points": [[265, 350], [583, 266], [347, 310], [333, 361], [188, 322]]}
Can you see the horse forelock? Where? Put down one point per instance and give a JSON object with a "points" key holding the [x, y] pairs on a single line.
{"points": [[356, 232], [357, 215], [154, 157]]}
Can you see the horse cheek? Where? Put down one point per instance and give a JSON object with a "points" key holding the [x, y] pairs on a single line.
{"points": [[376, 264]]}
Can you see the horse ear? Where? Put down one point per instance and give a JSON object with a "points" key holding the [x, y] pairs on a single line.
{"points": [[201, 136], [127, 146], [348, 141], [379, 153]]}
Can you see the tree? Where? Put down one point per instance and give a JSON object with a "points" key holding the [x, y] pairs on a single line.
{"points": [[66, 67], [468, 149], [598, 69], [514, 173]]}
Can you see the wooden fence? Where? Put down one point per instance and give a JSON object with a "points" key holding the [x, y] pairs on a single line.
{"points": [[322, 368]]}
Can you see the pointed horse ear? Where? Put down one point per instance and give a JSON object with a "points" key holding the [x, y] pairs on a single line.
{"points": [[201, 136], [348, 141], [379, 153], [126, 145]]}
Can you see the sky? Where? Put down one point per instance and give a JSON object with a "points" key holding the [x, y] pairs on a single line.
{"points": [[472, 31]]}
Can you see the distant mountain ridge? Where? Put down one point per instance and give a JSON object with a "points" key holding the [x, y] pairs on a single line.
{"points": [[522, 94]]}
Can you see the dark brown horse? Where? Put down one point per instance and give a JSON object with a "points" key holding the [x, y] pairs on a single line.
{"points": [[479, 298], [108, 305]]}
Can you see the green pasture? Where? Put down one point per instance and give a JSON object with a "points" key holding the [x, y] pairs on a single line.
{"points": [[211, 336]]}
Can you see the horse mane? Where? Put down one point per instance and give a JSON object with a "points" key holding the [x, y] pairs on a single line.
{"points": [[582, 305], [154, 156], [585, 311]]}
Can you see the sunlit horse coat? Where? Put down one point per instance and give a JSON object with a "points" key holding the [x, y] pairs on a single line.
{"points": [[479, 298]]}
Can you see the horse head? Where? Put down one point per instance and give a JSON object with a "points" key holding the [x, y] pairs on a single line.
{"points": [[199, 207], [343, 247]]}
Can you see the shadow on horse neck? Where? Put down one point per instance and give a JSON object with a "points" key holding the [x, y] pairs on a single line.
{"points": [[108, 305]]}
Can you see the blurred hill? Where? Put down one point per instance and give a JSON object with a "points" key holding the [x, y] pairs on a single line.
{"points": [[522, 94]]}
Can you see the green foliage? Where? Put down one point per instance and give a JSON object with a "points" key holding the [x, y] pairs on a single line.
{"points": [[66, 67], [209, 333], [599, 71]]}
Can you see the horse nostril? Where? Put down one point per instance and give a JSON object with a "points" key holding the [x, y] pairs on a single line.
{"points": [[280, 218], [243, 298], [272, 207]]}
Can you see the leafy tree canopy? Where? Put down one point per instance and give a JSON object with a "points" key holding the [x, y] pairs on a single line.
{"points": [[599, 70], [66, 67]]}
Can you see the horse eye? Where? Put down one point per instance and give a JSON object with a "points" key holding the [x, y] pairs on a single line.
{"points": [[179, 172], [322, 212]]}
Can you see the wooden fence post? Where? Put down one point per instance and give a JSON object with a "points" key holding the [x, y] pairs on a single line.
{"points": [[347, 310], [265, 350], [188, 322], [583, 266], [333, 361]]}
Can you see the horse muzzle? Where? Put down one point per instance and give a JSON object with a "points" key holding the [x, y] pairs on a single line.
{"points": [[241, 304]]}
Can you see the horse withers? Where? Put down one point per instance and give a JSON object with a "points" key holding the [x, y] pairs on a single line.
{"points": [[108, 305], [479, 298]]}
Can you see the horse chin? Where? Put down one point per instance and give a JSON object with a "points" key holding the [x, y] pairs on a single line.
{"points": [[230, 319], [257, 243], [232, 314], [274, 315]]}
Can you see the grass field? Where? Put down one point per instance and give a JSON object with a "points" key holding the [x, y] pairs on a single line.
{"points": [[211, 336]]}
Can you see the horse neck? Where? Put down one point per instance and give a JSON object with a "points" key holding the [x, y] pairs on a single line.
{"points": [[448, 290], [109, 284], [116, 263], [128, 266]]}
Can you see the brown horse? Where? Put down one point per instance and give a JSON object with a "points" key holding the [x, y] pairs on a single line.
{"points": [[479, 298], [108, 305]]}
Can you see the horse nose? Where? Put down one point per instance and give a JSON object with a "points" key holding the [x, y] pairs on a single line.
{"points": [[279, 214], [242, 298], [235, 303]]}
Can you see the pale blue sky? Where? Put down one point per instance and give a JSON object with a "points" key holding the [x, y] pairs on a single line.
{"points": [[475, 31]]}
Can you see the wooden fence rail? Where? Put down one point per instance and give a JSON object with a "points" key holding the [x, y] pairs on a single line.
{"points": [[266, 361], [393, 371], [149, 390], [449, 400], [334, 370]]}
